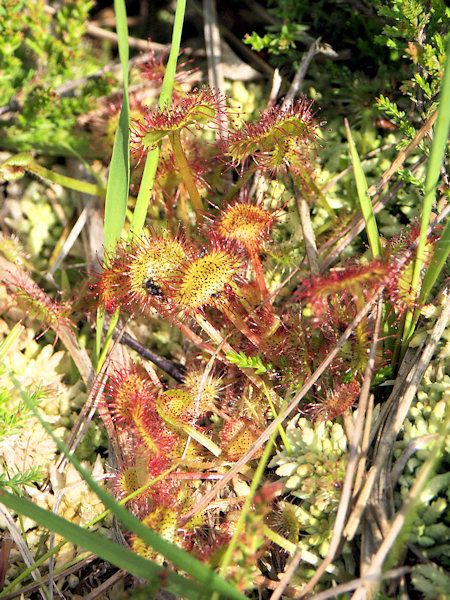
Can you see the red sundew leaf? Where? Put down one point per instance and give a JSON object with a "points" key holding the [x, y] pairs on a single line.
{"points": [[104, 121], [336, 401], [351, 283], [138, 275], [154, 70], [199, 109], [281, 138], [206, 280], [237, 436], [37, 304], [130, 393], [245, 222]]}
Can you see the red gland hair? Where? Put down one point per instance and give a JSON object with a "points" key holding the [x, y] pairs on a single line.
{"points": [[200, 108], [154, 70], [137, 277], [281, 138], [245, 223], [237, 436], [206, 280], [36, 304], [174, 406], [151, 263], [110, 285], [169, 186], [336, 401], [350, 283], [203, 390], [103, 123], [132, 401], [129, 392]]}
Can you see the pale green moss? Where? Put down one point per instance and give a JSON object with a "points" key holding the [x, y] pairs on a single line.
{"points": [[314, 473]]}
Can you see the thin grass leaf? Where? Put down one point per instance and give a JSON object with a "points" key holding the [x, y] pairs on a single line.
{"points": [[364, 198], [146, 185], [109, 336], [100, 546], [182, 560], [42, 559], [119, 169], [438, 148], [151, 163], [10, 339], [437, 152], [259, 473]]}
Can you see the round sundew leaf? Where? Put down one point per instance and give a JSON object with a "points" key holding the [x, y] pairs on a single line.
{"points": [[206, 280], [278, 139], [197, 109], [244, 223], [173, 405]]}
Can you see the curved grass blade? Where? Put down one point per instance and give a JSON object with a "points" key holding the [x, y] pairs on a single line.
{"points": [[151, 163], [100, 546], [119, 169], [438, 261], [44, 557], [364, 198], [180, 559], [437, 152]]}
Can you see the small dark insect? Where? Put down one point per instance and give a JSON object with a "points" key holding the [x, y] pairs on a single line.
{"points": [[202, 252], [152, 288], [216, 294]]}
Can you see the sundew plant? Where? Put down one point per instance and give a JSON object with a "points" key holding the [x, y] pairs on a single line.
{"points": [[255, 346]]}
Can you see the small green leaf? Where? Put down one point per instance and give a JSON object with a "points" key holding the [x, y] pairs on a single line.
{"points": [[248, 362]]}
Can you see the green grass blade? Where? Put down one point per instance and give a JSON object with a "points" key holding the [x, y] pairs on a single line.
{"points": [[102, 547], [43, 558], [182, 560], [108, 338], [438, 148], [146, 185], [119, 169], [259, 474], [9, 340], [151, 163], [364, 198], [437, 152], [169, 75]]}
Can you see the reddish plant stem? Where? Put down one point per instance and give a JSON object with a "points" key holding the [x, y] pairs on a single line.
{"points": [[240, 324], [257, 381], [191, 335], [257, 265]]}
